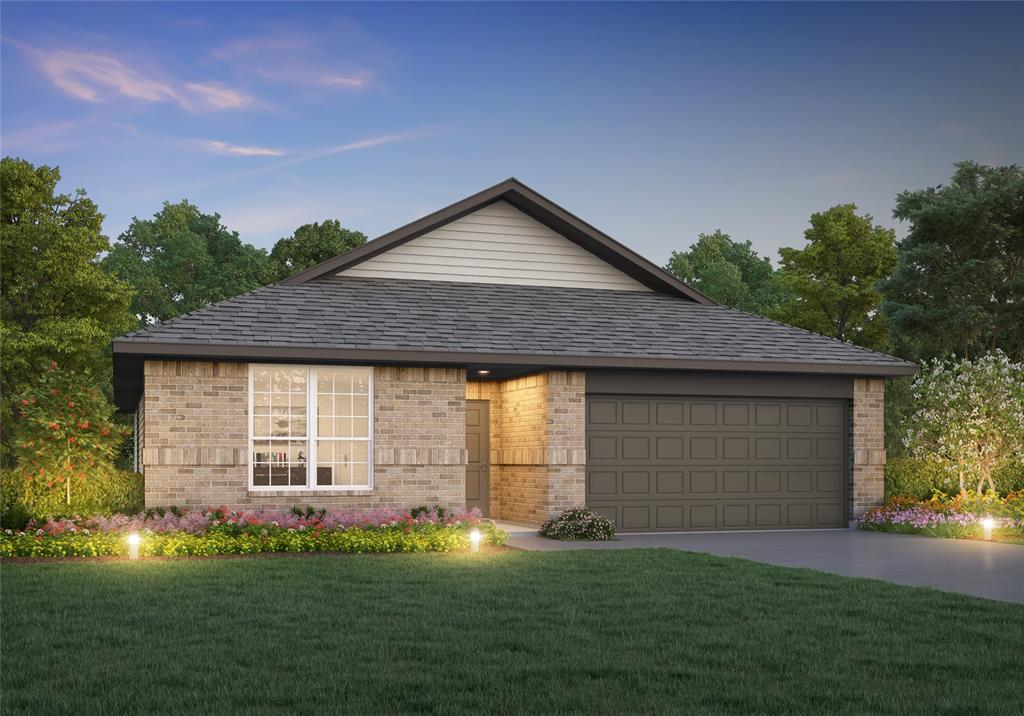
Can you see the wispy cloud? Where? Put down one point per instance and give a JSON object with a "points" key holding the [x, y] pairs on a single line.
{"points": [[96, 77], [300, 58], [49, 136], [365, 143], [294, 157], [237, 150], [216, 96]]}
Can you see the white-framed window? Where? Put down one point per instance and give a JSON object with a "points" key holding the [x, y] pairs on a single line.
{"points": [[310, 427]]}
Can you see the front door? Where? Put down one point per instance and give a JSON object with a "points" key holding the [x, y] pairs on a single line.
{"points": [[478, 481]]}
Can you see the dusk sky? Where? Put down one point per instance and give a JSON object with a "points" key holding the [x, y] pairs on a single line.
{"points": [[652, 122]]}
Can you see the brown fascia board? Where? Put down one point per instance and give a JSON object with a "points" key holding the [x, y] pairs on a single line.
{"points": [[540, 208], [235, 352]]}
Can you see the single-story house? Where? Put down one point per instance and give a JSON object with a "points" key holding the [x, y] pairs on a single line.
{"points": [[503, 354]]}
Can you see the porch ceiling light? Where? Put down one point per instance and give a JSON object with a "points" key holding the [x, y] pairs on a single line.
{"points": [[483, 372]]}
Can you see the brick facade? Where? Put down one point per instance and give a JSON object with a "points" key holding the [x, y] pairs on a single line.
{"points": [[537, 446], [868, 443], [196, 439]]}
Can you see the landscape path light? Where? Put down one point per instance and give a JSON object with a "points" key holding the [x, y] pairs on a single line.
{"points": [[474, 540], [987, 524], [133, 545]]}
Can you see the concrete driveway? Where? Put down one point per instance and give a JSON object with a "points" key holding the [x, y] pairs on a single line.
{"points": [[983, 569]]}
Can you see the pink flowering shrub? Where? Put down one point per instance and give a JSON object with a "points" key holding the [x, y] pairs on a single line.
{"points": [[197, 522], [959, 517], [216, 531]]}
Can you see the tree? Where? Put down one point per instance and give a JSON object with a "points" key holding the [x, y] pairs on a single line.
{"points": [[728, 272], [831, 284], [56, 303], [183, 259], [312, 244], [959, 279], [65, 430], [969, 417]]}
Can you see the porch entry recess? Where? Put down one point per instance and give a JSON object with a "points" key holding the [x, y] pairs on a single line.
{"points": [[478, 474], [704, 463]]}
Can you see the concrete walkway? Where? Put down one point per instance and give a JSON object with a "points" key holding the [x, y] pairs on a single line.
{"points": [[982, 569]]}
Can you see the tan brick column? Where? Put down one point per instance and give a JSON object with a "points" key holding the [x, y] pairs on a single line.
{"points": [[868, 443], [567, 455]]}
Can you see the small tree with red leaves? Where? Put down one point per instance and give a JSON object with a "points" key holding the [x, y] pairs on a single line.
{"points": [[65, 434]]}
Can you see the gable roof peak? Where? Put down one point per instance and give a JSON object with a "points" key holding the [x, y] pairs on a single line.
{"points": [[534, 205]]}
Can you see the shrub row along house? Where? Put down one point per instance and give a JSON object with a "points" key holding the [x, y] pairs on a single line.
{"points": [[503, 354]]}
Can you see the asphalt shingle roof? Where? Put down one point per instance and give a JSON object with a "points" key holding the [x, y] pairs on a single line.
{"points": [[369, 313]]}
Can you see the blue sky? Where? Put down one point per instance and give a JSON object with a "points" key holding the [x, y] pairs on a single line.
{"points": [[653, 122]]}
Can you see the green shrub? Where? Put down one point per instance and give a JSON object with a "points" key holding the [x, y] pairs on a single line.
{"points": [[103, 490], [438, 510], [579, 523], [913, 477], [921, 478], [969, 415], [358, 540]]}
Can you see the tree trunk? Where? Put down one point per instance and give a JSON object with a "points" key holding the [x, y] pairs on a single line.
{"points": [[67, 473]]}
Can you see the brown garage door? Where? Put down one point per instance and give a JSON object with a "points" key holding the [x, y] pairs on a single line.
{"points": [[680, 464]]}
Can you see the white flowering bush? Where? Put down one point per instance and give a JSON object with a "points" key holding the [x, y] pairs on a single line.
{"points": [[579, 523], [969, 418]]}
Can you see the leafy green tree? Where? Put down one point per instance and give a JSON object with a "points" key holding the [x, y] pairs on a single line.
{"points": [[56, 303], [968, 417], [728, 272], [312, 244], [64, 430], [958, 286], [831, 284], [183, 259], [66, 439]]}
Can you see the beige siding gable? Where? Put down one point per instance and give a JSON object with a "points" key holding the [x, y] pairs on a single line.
{"points": [[496, 244]]}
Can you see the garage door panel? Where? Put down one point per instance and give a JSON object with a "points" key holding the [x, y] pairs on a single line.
{"points": [[767, 514], [707, 464], [636, 483], [602, 447], [703, 482], [669, 517], [828, 448], [602, 412], [703, 517], [736, 415], [736, 481], [670, 482], [636, 413], [636, 517], [766, 481], [602, 482]]}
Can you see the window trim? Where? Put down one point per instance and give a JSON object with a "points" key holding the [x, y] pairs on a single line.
{"points": [[312, 433]]}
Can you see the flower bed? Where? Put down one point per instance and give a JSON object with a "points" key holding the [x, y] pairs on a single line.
{"points": [[223, 531], [959, 518]]}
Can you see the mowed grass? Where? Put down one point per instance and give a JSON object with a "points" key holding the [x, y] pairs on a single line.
{"points": [[623, 631]]}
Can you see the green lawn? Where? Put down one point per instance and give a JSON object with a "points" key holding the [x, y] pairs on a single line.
{"points": [[639, 631]]}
